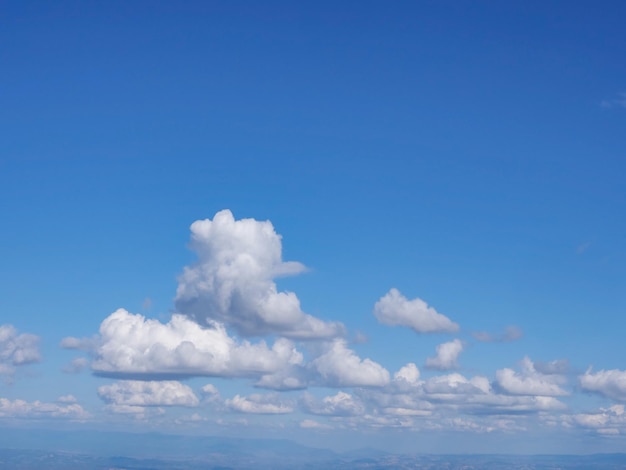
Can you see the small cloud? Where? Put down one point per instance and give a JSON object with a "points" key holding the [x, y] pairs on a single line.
{"points": [[76, 366], [447, 356], [396, 310], [559, 366], [511, 333], [580, 249], [311, 424], [147, 303], [360, 338], [79, 344], [618, 102], [67, 399], [259, 404], [17, 349]]}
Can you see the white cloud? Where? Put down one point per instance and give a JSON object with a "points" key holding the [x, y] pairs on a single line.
{"points": [[396, 309], [529, 381], [408, 373], [454, 384], [38, 409], [610, 383], [17, 349], [138, 393], [341, 367], [341, 404], [67, 399], [447, 355], [131, 345], [210, 389], [232, 281], [475, 396], [611, 420], [259, 404]]}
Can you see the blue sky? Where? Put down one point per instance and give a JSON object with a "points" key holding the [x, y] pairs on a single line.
{"points": [[444, 173]]}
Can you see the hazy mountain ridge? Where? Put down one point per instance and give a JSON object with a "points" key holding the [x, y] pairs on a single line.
{"points": [[37, 449], [19, 459]]}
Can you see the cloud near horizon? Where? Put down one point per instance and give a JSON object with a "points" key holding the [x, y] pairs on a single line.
{"points": [[229, 295]]}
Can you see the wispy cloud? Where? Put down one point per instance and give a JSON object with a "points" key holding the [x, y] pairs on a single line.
{"points": [[619, 102], [511, 333]]}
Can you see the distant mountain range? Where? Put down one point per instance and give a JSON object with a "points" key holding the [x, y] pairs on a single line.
{"points": [[44, 449]]}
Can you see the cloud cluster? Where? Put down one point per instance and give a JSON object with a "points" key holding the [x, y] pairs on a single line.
{"points": [[131, 345], [38, 409], [17, 349], [230, 294], [618, 102], [529, 381], [610, 383], [341, 404], [148, 393], [605, 421], [396, 310], [233, 281], [259, 404]]}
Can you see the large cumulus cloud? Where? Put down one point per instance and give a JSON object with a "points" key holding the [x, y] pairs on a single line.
{"points": [[133, 346], [339, 366], [233, 281]]}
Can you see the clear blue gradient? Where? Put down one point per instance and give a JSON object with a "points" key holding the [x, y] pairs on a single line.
{"points": [[471, 154]]}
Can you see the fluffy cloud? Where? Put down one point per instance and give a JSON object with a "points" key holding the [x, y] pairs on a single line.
{"points": [[341, 404], [408, 373], [395, 309], [17, 349], [610, 383], [131, 345], [529, 381], [38, 409], [447, 355], [341, 367], [232, 281], [259, 404], [611, 420], [475, 396], [137, 393]]}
